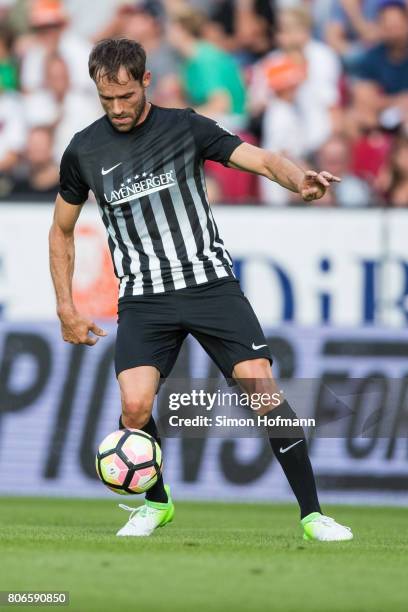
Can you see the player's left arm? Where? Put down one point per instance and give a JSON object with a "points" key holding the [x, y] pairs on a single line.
{"points": [[309, 184]]}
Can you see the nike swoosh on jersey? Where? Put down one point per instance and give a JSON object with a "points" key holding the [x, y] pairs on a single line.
{"points": [[103, 171], [285, 450], [257, 347]]}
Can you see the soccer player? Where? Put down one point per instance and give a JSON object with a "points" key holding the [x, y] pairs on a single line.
{"points": [[144, 165]]}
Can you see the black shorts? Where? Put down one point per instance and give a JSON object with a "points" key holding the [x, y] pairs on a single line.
{"points": [[151, 328]]}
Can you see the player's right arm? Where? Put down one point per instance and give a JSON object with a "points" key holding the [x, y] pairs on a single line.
{"points": [[73, 193], [75, 327]]}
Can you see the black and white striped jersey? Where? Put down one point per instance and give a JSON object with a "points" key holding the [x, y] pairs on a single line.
{"points": [[150, 189]]}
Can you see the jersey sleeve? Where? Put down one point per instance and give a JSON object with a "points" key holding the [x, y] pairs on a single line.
{"points": [[212, 140], [73, 187]]}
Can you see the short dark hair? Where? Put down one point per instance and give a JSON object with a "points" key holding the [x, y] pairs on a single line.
{"points": [[109, 55], [386, 4]]}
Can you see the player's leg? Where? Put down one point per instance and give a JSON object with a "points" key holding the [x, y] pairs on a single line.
{"points": [[225, 324], [147, 343], [290, 448], [138, 387], [227, 327], [223, 321], [288, 444]]}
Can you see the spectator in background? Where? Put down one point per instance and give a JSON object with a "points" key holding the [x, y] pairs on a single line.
{"points": [[211, 78], [395, 176], [61, 106], [335, 155], [282, 128], [40, 181], [352, 29], [49, 22], [383, 70], [144, 22], [12, 130], [318, 96], [242, 27], [75, 108], [8, 68]]}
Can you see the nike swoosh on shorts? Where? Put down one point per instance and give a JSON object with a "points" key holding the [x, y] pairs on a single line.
{"points": [[257, 347]]}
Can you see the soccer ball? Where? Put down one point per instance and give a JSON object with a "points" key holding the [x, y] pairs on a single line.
{"points": [[129, 461]]}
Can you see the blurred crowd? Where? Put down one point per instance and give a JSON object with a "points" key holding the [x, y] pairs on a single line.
{"points": [[324, 82]]}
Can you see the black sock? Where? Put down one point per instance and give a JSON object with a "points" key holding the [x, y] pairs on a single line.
{"points": [[295, 460], [157, 493]]}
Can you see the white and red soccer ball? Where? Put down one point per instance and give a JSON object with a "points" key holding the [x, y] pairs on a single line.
{"points": [[129, 461]]}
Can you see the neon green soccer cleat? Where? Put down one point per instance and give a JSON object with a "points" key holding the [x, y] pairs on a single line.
{"points": [[145, 519], [319, 527]]}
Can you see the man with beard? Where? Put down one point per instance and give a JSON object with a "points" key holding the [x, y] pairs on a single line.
{"points": [[144, 165]]}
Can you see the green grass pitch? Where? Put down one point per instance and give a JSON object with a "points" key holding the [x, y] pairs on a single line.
{"points": [[213, 557]]}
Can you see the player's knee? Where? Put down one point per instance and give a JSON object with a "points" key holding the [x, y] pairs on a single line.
{"points": [[135, 420], [261, 368], [136, 411], [254, 368]]}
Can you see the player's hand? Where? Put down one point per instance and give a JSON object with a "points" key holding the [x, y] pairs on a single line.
{"points": [[315, 184], [75, 329]]}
